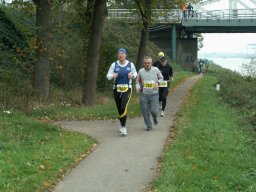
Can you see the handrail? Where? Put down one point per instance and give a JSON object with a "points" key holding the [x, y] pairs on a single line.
{"points": [[157, 13], [172, 15], [226, 14]]}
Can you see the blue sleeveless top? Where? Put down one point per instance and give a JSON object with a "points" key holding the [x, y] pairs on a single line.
{"points": [[122, 77]]}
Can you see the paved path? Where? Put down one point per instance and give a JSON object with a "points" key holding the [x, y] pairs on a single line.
{"points": [[122, 164]]}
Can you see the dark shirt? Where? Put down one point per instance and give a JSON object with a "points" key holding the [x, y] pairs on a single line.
{"points": [[157, 63], [165, 70], [190, 7]]}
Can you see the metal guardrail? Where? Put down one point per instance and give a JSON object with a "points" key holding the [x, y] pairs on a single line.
{"points": [[175, 15], [162, 15], [226, 14], [122, 13]]}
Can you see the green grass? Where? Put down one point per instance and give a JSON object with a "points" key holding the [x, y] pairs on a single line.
{"points": [[34, 155], [210, 151]]}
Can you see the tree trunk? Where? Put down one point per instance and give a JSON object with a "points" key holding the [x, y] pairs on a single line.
{"points": [[146, 19], [93, 52], [142, 48], [41, 71]]}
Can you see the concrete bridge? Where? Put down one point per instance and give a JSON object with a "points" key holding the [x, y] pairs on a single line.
{"points": [[174, 30], [177, 38]]}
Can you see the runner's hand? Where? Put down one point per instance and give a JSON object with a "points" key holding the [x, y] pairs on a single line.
{"points": [[130, 75], [115, 75]]}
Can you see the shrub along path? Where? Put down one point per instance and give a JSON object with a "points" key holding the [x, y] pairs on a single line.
{"points": [[122, 163]]}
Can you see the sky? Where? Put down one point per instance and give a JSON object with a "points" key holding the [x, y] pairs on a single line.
{"points": [[224, 4], [243, 43]]}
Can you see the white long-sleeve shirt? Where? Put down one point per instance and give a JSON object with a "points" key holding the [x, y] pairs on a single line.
{"points": [[116, 66]]}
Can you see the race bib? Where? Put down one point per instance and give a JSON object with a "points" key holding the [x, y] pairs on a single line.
{"points": [[122, 88], [163, 84], [149, 84]]}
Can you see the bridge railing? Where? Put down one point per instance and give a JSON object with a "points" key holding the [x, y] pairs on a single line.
{"points": [[224, 14], [121, 13], [176, 15], [162, 15]]}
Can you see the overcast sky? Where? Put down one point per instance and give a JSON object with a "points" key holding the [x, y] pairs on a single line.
{"points": [[224, 4]]}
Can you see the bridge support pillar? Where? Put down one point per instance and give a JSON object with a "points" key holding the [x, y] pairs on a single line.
{"points": [[173, 42], [187, 53]]}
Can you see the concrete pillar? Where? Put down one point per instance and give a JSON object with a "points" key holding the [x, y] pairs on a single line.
{"points": [[174, 43], [233, 8], [187, 53]]}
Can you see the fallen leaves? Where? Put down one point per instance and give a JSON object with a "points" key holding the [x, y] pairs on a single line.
{"points": [[42, 167], [193, 167]]}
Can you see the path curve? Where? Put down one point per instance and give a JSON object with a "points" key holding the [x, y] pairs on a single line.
{"points": [[122, 164]]}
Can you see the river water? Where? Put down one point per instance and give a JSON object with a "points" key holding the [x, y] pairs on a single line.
{"points": [[234, 64]]}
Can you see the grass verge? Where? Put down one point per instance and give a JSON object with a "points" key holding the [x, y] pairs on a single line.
{"points": [[34, 155], [210, 151]]}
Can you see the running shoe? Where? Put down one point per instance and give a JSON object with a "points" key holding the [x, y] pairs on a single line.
{"points": [[123, 131], [162, 114]]}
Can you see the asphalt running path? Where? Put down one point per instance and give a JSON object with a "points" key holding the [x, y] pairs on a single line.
{"points": [[122, 164]]}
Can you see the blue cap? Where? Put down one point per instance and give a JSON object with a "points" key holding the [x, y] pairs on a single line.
{"points": [[122, 50]]}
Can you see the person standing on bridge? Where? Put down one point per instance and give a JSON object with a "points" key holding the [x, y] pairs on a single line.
{"points": [[190, 10], [147, 84], [122, 71], [167, 72], [184, 8]]}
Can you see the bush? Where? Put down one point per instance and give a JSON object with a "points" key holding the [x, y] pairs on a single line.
{"points": [[249, 69], [239, 92], [15, 66]]}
